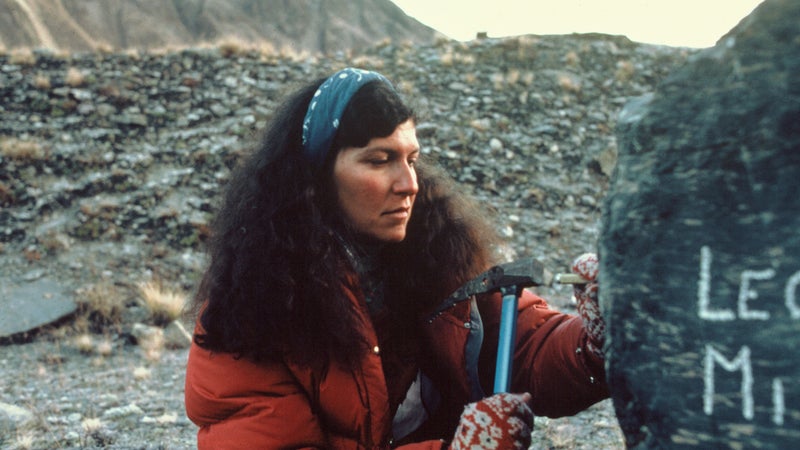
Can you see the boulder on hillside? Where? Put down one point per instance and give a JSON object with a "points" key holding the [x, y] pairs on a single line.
{"points": [[700, 247]]}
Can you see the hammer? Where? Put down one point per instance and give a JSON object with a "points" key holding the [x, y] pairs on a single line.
{"points": [[510, 279]]}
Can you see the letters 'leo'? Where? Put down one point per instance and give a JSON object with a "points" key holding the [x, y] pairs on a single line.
{"points": [[746, 293]]}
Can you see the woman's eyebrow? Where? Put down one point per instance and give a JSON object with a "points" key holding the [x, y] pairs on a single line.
{"points": [[377, 150], [385, 149]]}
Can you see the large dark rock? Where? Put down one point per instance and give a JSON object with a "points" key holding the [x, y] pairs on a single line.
{"points": [[700, 247]]}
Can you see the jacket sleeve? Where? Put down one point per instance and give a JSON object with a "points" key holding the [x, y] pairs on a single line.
{"points": [[550, 359], [242, 405]]}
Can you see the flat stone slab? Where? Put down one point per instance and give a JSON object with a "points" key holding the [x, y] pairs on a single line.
{"points": [[27, 306]]}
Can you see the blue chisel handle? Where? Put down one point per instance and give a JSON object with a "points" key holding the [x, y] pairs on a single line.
{"points": [[505, 344]]}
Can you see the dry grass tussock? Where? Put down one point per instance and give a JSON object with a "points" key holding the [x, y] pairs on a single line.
{"points": [[100, 306], [90, 345], [625, 71], [22, 57], [41, 82], [7, 197], [369, 62], [24, 440], [74, 77], [21, 150], [164, 304], [228, 47], [569, 83], [233, 46], [453, 57]]}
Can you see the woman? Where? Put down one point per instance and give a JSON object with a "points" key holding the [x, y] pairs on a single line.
{"points": [[334, 245]]}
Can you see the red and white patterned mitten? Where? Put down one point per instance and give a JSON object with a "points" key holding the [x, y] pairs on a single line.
{"points": [[587, 266], [502, 421]]}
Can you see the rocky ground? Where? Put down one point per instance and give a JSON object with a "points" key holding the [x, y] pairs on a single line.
{"points": [[110, 166]]}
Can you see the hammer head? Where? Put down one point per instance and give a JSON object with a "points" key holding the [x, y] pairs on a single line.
{"points": [[520, 273]]}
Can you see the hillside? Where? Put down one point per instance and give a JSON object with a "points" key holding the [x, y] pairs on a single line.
{"points": [[111, 166], [313, 26]]}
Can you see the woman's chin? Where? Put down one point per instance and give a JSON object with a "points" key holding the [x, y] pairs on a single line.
{"points": [[390, 236]]}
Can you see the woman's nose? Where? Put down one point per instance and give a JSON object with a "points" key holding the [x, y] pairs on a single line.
{"points": [[406, 181]]}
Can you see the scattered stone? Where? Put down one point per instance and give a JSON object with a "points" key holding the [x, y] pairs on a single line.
{"points": [[607, 160], [176, 336], [148, 337], [119, 412], [72, 436], [164, 419], [700, 250], [13, 418]]}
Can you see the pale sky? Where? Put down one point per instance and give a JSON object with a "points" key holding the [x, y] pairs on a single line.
{"points": [[681, 23]]}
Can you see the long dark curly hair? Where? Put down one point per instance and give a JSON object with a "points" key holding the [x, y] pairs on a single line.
{"points": [[279, 282]]}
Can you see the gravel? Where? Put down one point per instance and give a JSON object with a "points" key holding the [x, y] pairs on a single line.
{"points": [[109, 181]]}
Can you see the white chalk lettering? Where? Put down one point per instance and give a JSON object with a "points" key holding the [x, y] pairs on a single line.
{"points": [[747, 296], [704, 289], [778, 406], [741, 362], [791, 291], [745, 293]]}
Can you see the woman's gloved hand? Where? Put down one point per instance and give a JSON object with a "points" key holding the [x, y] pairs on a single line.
{"points": [[587, 266], [502, 421]]}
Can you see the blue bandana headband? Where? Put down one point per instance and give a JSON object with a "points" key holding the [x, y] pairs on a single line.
{"points": [[326, 109]]}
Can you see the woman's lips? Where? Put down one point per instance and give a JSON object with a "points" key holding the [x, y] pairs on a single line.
{"points": [[399, 212]]}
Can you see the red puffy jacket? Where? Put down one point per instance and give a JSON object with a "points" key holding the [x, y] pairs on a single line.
{"points": [[239, 404]]}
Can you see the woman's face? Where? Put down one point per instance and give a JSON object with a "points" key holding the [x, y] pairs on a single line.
{"points": [[376, 184]]}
